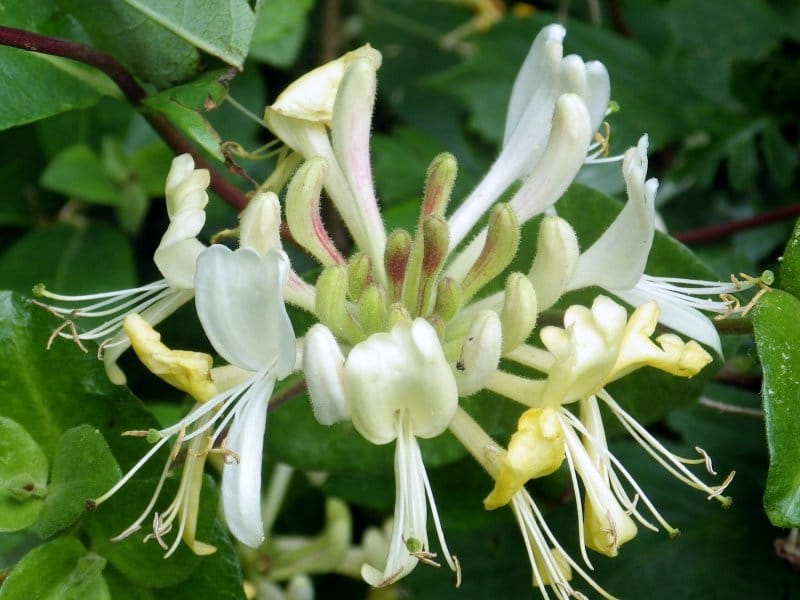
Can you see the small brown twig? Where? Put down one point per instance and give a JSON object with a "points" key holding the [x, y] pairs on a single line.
{"points": [[715, 232]]}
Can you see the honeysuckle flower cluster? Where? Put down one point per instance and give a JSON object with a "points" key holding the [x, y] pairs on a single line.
{"points": [[405, 328]]}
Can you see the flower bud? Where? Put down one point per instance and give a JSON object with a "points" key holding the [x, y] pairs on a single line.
{"points": [[359, 275], [556, 256], [502, 239], [331, 304], [398, 249], [480, 353], [259, 223], [322, 364], [372, 309], [439, 185], [303, 215], [436, 238], [519, 311], [448, 298]]}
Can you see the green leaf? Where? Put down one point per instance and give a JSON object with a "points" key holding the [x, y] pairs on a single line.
{"points": [[279, 30], [143, 45], [58, 570], [143, 562], [742, 162], [36, 86], [789, 274], [66, 258], [184, 106], [776, 323], [50, 391], [23, 476], [78, 172], [83, 468], [223, 29]]}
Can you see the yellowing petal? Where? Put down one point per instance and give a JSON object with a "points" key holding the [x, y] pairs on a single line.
{"points": [[185, 370], [535, 450]]}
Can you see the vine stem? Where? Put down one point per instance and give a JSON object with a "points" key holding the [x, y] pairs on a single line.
{"points": [[714, 232], [133, 92]]}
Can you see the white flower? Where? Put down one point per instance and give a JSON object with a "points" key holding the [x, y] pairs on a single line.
{"points": [[398, 386], [532, 123], [175, 257], [242, 312]]}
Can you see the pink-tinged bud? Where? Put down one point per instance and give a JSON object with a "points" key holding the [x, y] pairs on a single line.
{"points": [[398, 249], [303, 214], [439, 185]]}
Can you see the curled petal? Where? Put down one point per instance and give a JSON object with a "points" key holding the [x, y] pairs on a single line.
{"points": [[260, 222], [323, 364]]}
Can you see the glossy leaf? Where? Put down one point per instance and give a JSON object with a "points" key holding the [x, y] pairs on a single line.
{"points": [[279, 31], [58, 570], [78, 173], [184, 105], [223, 29], [83, 468], [23, 477], [66, 257], [777, 331]]}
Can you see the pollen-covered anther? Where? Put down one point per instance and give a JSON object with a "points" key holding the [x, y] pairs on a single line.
{"points": [[502, 239]]}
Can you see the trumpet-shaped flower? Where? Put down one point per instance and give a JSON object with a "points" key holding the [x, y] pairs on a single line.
{"points": [[398, 386], [616, 262], [242, 312], [175, 257]]}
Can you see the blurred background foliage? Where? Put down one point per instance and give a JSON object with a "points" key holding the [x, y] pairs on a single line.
{"points": [[714, 84]]}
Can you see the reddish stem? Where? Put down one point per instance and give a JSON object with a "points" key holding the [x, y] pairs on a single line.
{"points": [[135, 94], [714, 232]]}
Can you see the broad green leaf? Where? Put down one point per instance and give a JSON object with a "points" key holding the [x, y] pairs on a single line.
{"points": [[83, 468], [143, 45], [776, 323], [742, 162], [79, 259], [711, 35], [51, 391], [223, 29], [184, 106], [58, 570], [23, 476], [77, 172], [789, 274], [35, 86], [279, 30], [143, 561]]}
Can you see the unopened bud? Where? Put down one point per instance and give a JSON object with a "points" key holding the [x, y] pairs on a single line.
{"points": [[556, 256], [331, 304], [519, 311], [359, 275], [303, 214], [448, 298], [322, 364], [397, 312], [480, 353], [438, 324], [502, 239], [439, 185], [372, 309], [260, 222], [436, 237], [398, 249]]}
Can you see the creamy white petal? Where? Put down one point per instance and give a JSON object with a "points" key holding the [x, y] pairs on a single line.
{"points": [[617, 259], [241, 481], [240, 305], [323, 364]]}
